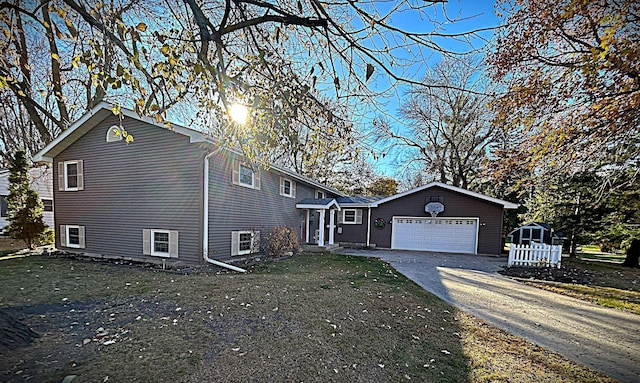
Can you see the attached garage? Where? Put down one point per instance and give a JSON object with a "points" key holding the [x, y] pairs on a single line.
{"points": [[452, 235], [434, 217]]}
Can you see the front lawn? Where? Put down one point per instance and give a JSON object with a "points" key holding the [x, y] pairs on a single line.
{"points": [[311, 318]]}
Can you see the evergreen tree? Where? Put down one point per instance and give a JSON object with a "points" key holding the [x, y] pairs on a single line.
{"points": [[24, 207]]}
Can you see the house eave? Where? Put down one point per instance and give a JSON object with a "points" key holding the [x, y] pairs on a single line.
{"points": [[504, 204], [96, 115]]}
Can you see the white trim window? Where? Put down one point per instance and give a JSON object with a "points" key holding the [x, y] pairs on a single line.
{"points": [[244, 175], [245, 242], [114, 134], [319, 194], [160, 243], [70, 175], [287, 187], [350, 217], [72, 236]]}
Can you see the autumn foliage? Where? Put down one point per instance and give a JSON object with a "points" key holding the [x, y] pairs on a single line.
{"points": [[571, 71]]}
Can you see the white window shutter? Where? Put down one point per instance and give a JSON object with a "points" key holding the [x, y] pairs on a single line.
{"points": [[256, 179], [235, 242], [146, 241], [281, 186], [173, 243], [293, 189], [255, 242], [359, 216], [80, 176], [61, 176], [63, 235], [81, 236], [235, 178], [340, 215]]}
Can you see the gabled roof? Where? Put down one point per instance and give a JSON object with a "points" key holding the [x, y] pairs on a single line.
{"points": [[103, 110], [92, 118], [505, 204], [317, 203]]}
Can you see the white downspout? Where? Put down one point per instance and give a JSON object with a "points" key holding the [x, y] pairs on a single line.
{"points": [[205, 218], [369, 227]]}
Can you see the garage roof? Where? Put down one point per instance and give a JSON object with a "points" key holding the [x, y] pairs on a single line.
{"points": [[505, 204]]}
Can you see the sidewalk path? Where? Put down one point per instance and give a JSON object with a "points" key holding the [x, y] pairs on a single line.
{"points": [[605, 339]]}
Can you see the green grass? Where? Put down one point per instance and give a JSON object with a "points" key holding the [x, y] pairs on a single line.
{"points": [[312, 318]]}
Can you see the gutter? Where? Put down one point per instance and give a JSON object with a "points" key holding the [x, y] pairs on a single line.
{"points": [[205, 218], [369, 227]]}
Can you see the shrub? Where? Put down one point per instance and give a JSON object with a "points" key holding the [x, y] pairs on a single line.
{"points": [[281, 240]]}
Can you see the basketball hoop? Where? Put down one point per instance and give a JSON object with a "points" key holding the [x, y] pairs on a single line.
{"points": [[434, 208]]}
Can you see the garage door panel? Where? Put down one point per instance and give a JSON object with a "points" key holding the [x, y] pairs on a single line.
{"points": [[435, 234]]}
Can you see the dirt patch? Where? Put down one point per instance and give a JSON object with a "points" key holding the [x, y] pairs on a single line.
{"points": [[13, 333], [562, 274]]}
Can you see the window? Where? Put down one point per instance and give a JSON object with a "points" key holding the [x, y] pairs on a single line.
{"points": [[160, 243], [350, 217], [3, 206], [70, 176], [245, 242], [48, 204], [72, 236], [319, 194], [114, 134], [244, 175], [287, 187]]}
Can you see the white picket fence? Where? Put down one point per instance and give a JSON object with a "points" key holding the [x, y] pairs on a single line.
{"points": [[535, 254]]}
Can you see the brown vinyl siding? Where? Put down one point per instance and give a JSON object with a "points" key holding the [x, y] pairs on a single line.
{"points": [[456, 205], [155, 182], [353, 233], [234, 207]]}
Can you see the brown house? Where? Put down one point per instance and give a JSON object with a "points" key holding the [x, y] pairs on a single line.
{"points": [[434, 217]]}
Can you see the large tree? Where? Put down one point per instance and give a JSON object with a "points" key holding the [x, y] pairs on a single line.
{"points": [[278, 58], [447, 130], [572, 74]]}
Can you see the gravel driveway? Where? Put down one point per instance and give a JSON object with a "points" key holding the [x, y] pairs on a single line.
{"points": [[605, 339]]}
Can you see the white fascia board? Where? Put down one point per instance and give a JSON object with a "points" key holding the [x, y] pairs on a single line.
{"points": [[306, 180], [194, 135], [96, 115], [354, 205], [505, 204], [317, 206]]}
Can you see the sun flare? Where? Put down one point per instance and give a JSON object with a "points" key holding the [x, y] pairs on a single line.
{"points": [[238, 113]]}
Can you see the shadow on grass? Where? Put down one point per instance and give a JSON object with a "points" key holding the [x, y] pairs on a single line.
{"points": [[309, 318]]}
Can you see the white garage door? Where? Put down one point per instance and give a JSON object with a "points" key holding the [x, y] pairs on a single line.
{"points": [[450, 235]]}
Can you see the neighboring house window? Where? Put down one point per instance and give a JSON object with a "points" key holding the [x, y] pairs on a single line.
{"points": [[48, 204], [245, 242], [319, 194], [244, 175], [287, 187], [160, 243], [72, 236], [350, 217], [70, 176], [113, 134], [3, 206]]}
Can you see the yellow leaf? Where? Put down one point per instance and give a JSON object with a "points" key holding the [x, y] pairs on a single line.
{"points": [[141, 27], [55, 57]]}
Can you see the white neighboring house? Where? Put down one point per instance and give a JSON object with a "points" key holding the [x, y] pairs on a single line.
{"points": [[41, 181]]}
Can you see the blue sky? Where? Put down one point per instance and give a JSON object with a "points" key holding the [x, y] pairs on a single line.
{"points": [[472, 15]]}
